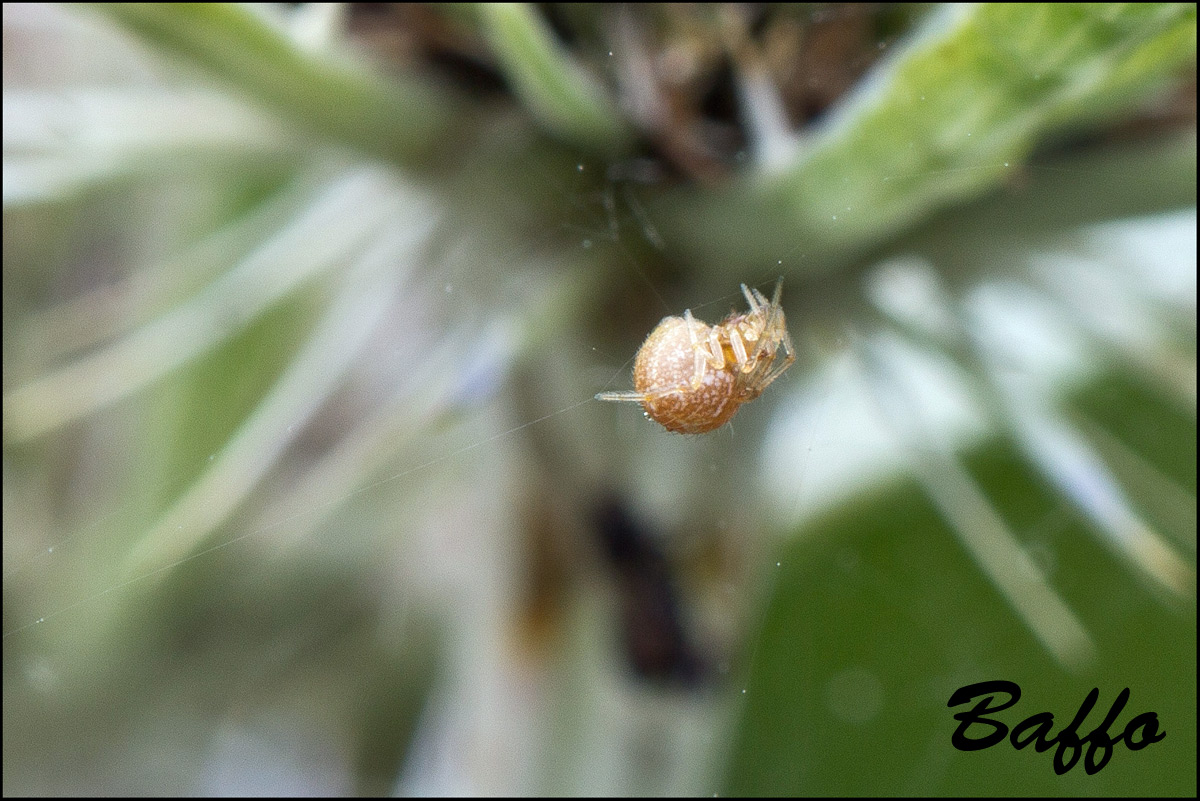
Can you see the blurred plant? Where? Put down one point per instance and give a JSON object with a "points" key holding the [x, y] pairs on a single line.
{"points": [[305, 308]]}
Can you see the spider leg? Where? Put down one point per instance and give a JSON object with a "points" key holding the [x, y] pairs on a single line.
{"points": [[697, 349], [752, 299], [706, 353], [786, 341], [654, 394], [776, 311], [778, 292], [739, 351], [772, 369], [714, 346], [624, 395], [750, 333]]}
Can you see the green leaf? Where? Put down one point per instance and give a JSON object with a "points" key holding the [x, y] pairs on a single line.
{"points": [[878, 617], [568, 102], [951, 114], [327, 96]]}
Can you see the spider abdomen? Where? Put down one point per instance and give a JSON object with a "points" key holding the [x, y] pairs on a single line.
{"points": [[665, 371]]}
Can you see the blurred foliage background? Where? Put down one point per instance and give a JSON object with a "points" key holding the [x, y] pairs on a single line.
{"points": [[305, 491]]}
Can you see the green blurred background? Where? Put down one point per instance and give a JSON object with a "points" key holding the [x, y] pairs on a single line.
{"points": [[305, 491]]}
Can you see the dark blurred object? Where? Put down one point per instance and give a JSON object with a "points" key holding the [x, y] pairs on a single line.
{"points": [[656, 638]]}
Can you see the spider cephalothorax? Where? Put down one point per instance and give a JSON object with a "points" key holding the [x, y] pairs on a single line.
{"points": [[691, 377]]}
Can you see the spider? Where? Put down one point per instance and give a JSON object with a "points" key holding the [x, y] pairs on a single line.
{"points": [[691, 377]]}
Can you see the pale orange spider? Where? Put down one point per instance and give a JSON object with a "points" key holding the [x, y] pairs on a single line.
{"points": [[691, 377]]}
